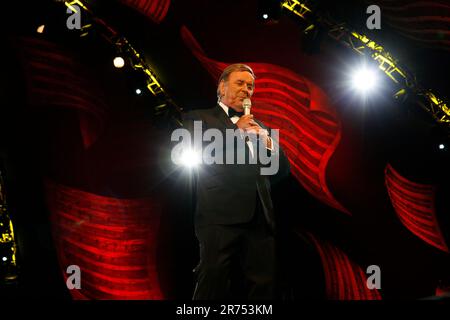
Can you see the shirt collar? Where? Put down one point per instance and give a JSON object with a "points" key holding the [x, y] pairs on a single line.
{"points": [[224, 107]]}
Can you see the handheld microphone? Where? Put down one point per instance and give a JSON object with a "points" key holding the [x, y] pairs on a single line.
{"points": [[246, 104]]}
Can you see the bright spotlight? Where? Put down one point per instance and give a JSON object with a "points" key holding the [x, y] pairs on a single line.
{"points": [[138, 91], [441, 146], [119, 62], [189, 158], [265, 16], [364, 80], [40, 29], [4, 258]]}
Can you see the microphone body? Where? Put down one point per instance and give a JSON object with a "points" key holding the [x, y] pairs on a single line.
{"points": [[246, 104]]}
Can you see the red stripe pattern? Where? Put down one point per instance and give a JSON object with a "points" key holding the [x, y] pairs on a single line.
{"points": [[414, 204], [426, 22], [54, 79], [310, 130], [113, 241], [344, 279], [154, 9]]}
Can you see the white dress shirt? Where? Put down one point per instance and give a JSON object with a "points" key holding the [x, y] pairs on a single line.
{"points": [[235, 119]]}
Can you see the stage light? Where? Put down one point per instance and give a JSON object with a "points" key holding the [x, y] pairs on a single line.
{"points": [[40, 29], [364, 80], [268, 11], [4, 258], [189, 158], [441, 146], [138, 91], [119, 62]]}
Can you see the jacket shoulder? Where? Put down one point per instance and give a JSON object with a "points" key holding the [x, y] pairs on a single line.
{"points": [[198, 114]]}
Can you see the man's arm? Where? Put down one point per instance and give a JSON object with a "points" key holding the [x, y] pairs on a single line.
{"points": [[276, 151], [272, 144], [284, 168]]}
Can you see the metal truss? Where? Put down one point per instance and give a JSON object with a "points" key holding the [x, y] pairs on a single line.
{"points": [[8, 246], [362, 45], [153, 83]]}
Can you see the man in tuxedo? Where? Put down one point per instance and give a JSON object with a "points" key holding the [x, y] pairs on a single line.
{"points": [[234, 218]]}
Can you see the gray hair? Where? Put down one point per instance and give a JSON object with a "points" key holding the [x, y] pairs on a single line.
{"points": [[230, 69]]}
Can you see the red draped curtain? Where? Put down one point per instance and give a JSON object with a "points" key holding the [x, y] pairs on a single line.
{"points": [[425, 22], [344, 279], [156, 10], [113, 241], [415, 206]]}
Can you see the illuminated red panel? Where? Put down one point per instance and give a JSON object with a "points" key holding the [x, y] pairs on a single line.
{"points": [[113, 241], [425, 22], [414, 204], [344, 279], [310, 130], [154, 9], [54, 79]]}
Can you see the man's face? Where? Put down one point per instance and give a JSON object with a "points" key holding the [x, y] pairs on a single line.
{"points": [[234, 90]]}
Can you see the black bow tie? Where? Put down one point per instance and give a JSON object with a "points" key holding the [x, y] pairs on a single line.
{"points": [[232, 113]]}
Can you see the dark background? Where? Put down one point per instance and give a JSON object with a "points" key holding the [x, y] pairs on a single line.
{"points": [[37, 143]]}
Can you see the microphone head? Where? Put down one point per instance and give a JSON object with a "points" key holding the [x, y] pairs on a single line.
{"points": [[246, 104]]}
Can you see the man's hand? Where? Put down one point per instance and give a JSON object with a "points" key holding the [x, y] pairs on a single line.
{"points": [[250, 127], [246, 121]]}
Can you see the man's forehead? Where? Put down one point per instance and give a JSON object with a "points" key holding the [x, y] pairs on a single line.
{"points": [[242, 75]]}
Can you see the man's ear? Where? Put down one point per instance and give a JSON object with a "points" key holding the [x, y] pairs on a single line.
{"points": [[222, 88]]}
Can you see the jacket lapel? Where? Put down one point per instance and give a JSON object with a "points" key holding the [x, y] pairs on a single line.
{"points": [[223, 118]]}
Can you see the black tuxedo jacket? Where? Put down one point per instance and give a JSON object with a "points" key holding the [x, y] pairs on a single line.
{"points": [[226, 193]]}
